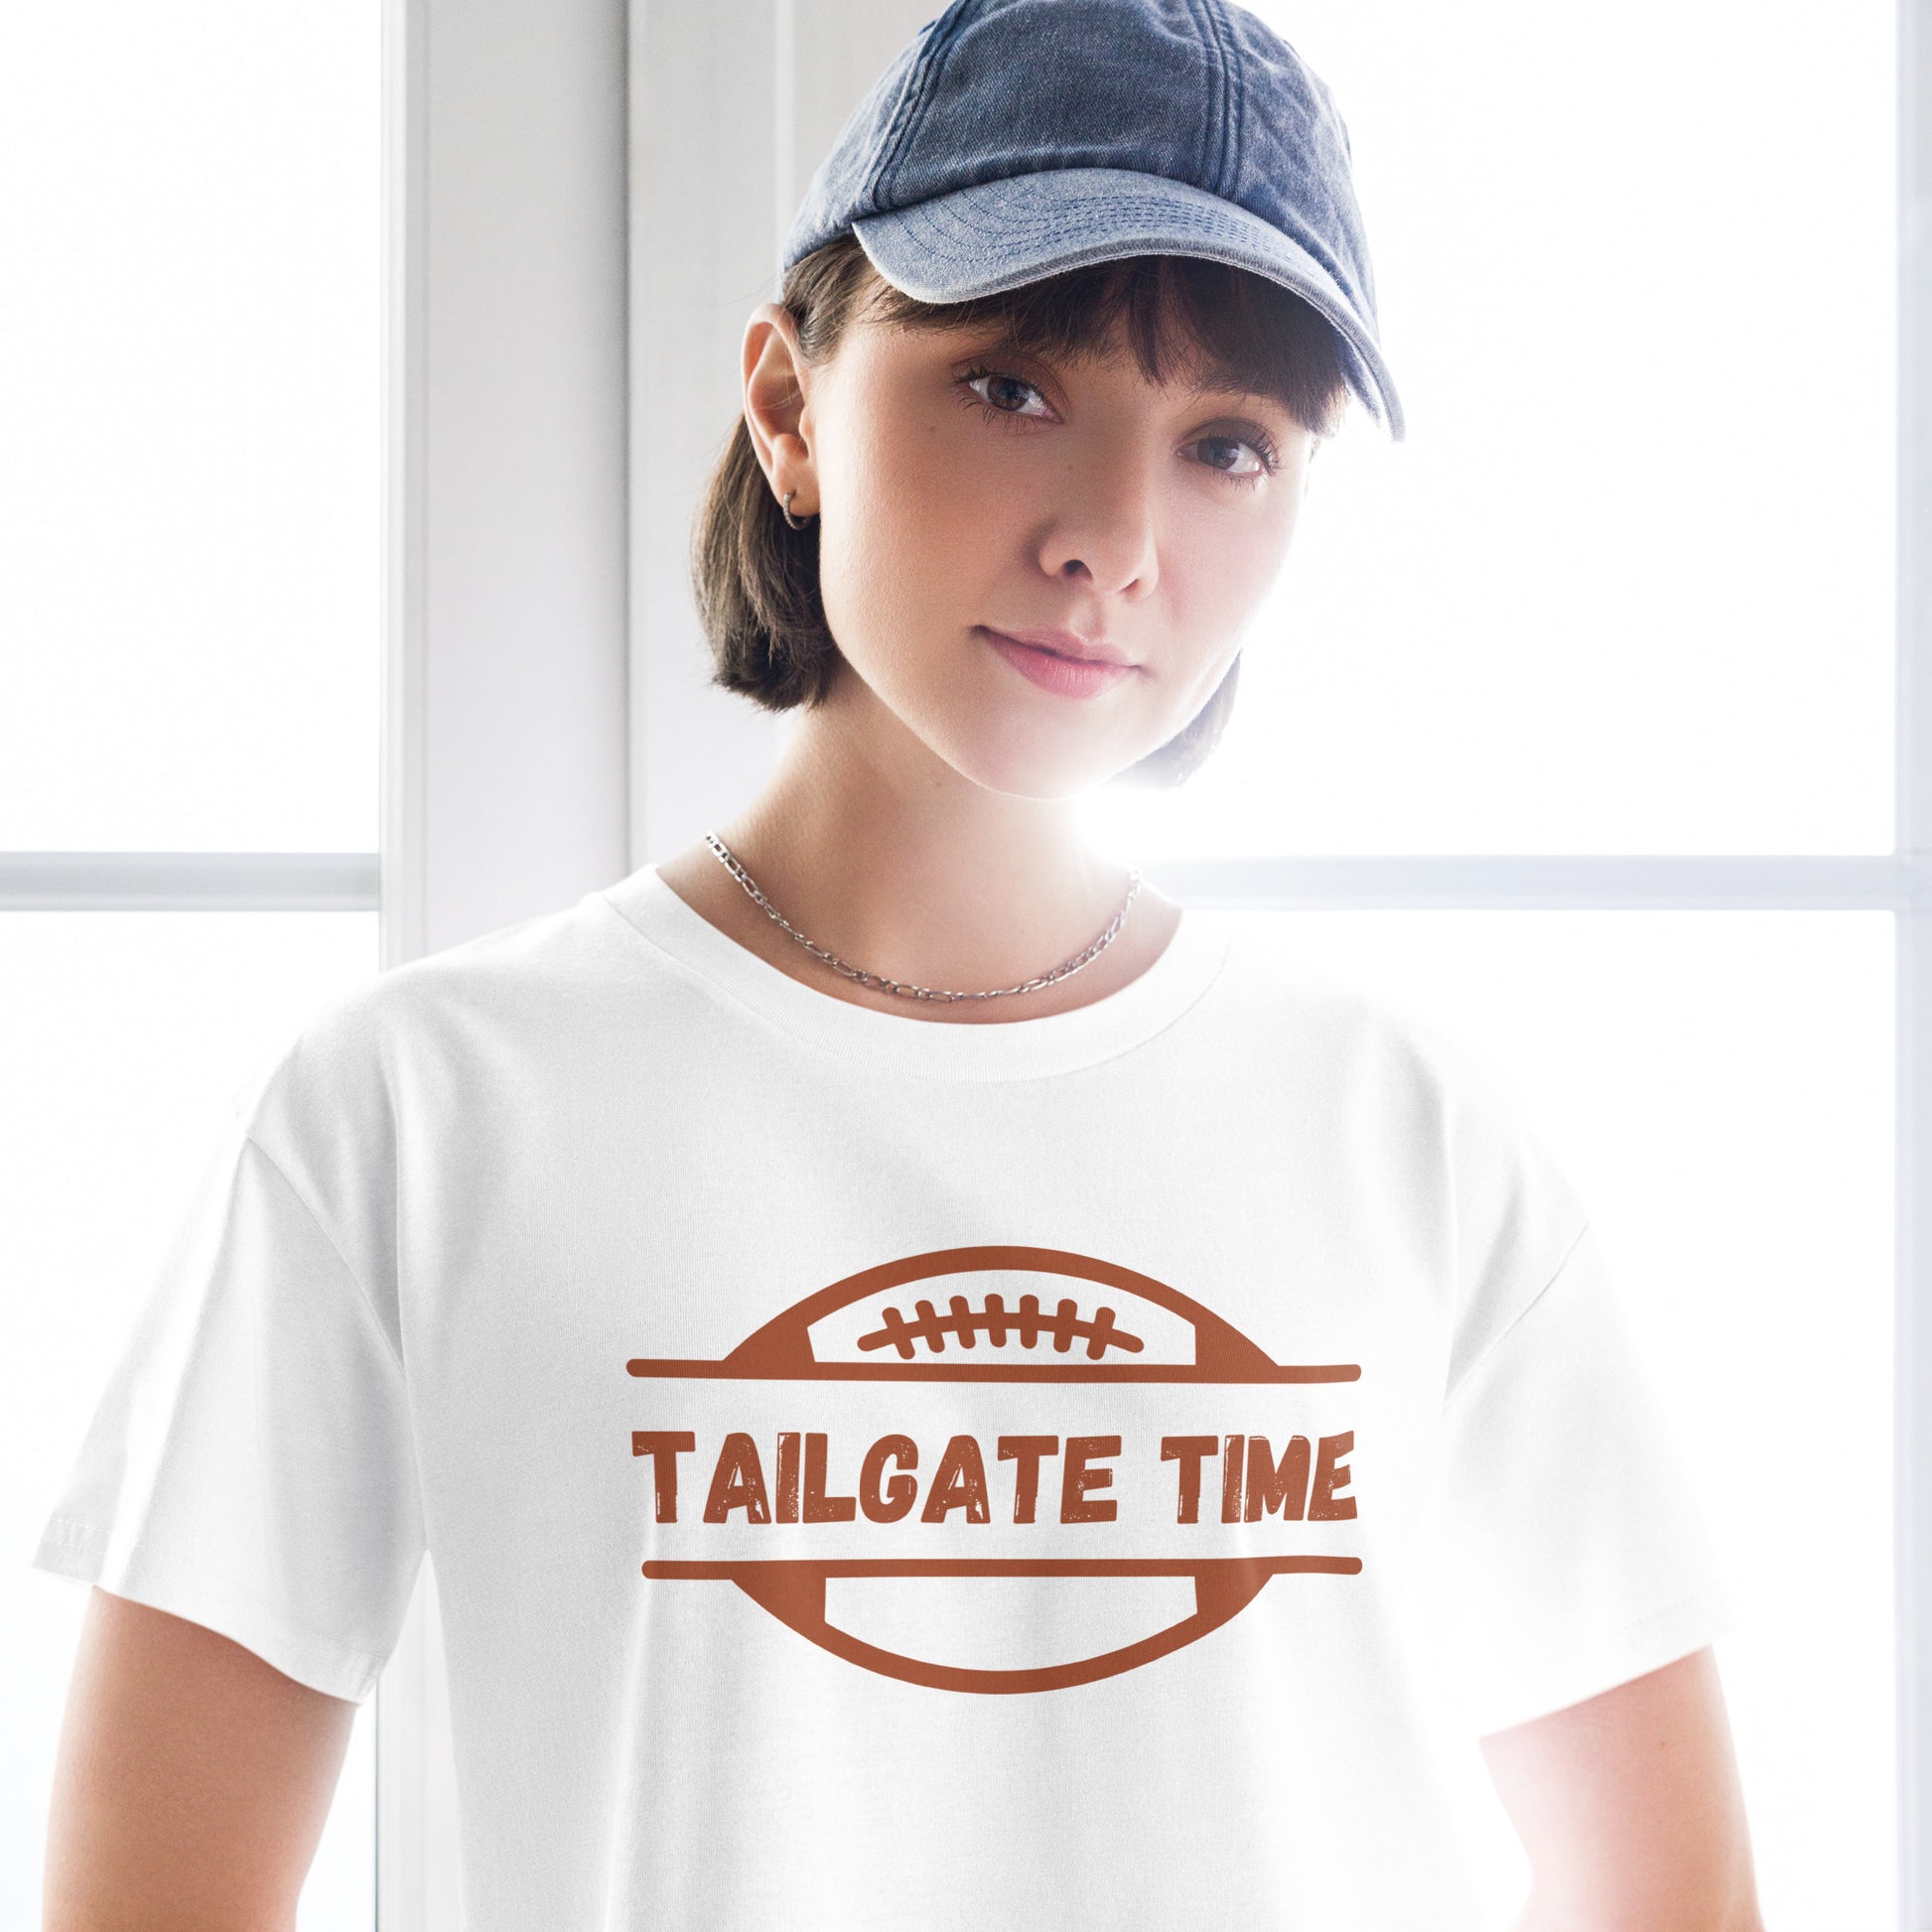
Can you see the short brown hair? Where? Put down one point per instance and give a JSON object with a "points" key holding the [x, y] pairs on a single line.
{"points": [[756, 578]]}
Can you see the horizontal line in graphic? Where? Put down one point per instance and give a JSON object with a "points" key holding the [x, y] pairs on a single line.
{"points": [[1009, 1567], [962, 1371]]}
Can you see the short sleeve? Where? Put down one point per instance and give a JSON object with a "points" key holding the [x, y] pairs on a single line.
{"points": [[249, 1465], [1566, 1549]]}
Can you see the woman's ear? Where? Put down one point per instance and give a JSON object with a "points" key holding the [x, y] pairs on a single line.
{"points": [[777, 408]]}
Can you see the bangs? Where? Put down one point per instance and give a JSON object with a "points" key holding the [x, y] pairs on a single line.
{"points": [[1183, 319]]}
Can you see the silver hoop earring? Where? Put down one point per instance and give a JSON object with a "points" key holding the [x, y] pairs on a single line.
{"points": [[794, 522]]}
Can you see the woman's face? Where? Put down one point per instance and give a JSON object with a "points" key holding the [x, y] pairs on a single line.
{"points": [[966, 494]]}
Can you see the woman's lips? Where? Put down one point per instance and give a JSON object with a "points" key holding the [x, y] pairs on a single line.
{"points": [[1068, 676]]}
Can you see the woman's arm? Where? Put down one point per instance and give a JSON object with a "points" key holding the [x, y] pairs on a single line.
{"points": [[191, 1782], [1630, 1807]]}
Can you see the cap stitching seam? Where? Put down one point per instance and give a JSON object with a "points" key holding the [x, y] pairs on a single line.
{"points": [[1237, 126], [920, 85], [1225, 114]]}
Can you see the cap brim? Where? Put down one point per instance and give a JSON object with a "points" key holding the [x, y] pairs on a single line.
{"points": [[998, 234]]}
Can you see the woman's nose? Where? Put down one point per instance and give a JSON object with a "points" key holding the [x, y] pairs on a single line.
{"points": [[1105, 530]]}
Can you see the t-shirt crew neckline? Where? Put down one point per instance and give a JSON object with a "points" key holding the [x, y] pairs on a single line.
{"points": [[1007, 1049]]}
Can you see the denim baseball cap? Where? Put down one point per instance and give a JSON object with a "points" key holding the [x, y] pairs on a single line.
{"points": [[1015, 139]]}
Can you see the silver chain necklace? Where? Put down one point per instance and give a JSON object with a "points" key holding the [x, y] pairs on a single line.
{"points": [[1074, 965]]}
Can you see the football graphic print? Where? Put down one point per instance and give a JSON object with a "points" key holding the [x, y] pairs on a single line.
{"points": [[996, 1468]]}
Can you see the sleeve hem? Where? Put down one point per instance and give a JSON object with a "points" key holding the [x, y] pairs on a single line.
{"points": [[1611, 1657], [78, 1549]]}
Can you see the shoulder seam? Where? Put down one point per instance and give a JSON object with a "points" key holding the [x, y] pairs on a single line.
{"points": [[336, 1247], [1509, 1327]]}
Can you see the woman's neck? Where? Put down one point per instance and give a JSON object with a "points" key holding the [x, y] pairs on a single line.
{"points": [[926, 879]]}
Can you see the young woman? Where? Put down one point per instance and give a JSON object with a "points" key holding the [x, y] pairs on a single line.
{"points": [[944, 1389]]}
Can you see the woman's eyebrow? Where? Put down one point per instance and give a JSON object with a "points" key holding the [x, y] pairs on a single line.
{"points": [[1228, 382], [1240, 400]]}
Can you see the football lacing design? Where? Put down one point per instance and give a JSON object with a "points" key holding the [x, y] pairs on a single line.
{"points": [[994, 1319]]}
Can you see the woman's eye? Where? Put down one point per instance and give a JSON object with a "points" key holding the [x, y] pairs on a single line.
{"points": [[1215, 446], [1001, 388], [1005, 395]]}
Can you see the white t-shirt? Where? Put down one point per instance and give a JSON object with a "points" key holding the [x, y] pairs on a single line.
{"points": [[886, 1474]]}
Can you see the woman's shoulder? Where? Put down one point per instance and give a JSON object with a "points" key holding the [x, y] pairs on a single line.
{"points": [[387, 1040], [1281, 983], [1379, 1042]]}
